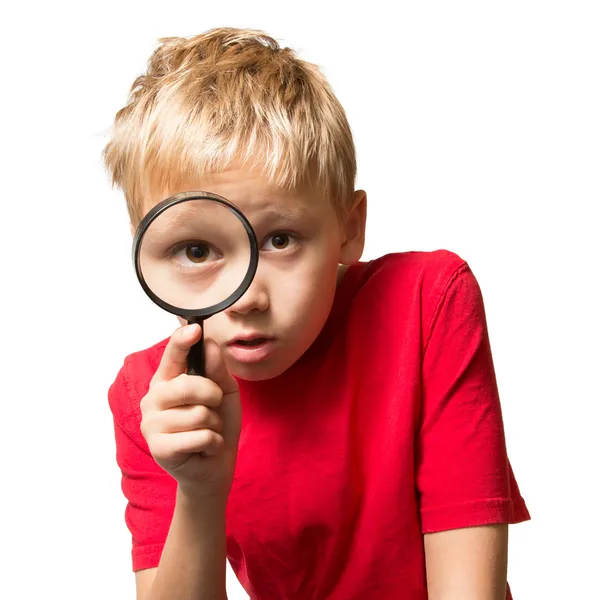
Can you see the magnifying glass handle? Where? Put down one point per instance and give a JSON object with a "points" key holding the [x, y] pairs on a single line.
{"points": [[195, 359]]}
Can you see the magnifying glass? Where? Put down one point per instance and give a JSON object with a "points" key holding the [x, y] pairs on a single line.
{"points": [[195, 254]]}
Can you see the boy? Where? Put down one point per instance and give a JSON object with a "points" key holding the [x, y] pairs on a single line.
{"points": [[371, 463]]}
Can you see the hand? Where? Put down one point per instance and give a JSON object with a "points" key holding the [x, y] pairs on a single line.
{"points": [[192, 424]]}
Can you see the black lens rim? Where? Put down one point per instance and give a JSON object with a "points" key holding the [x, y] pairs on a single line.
{"points": [[201, 313]]}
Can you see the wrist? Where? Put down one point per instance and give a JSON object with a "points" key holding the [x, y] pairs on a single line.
{"points": [[194, 498]]}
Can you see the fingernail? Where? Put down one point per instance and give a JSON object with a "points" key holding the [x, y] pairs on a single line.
{"points": [[190, 330]]}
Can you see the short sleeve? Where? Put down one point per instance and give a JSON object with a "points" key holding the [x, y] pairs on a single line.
{"points": [[463, 474], [149, 490]]}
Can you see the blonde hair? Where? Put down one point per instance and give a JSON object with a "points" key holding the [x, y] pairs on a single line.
{"points": [[223, 98]]}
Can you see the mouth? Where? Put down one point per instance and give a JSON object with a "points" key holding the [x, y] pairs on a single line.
{"points": [[251, 348], [249, 343]]}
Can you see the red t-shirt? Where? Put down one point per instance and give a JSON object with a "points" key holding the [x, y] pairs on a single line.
{"points": [[387, 428]]}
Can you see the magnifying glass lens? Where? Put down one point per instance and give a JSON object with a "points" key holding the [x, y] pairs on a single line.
{"points": [[195, 254]]}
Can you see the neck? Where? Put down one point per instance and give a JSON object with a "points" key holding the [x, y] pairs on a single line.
{"points": [[341, 272]]}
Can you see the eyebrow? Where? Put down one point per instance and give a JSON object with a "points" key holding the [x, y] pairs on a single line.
{"points": [[271, 212]]}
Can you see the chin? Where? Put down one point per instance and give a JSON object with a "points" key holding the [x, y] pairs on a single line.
{"points": [[257, 372], [271, 367], [261, 371]]}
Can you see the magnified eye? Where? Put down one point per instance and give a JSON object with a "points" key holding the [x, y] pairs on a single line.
{"points": [[195, 253]]}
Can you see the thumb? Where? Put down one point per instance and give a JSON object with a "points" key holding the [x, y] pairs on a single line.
{"points": [[230, 409], [174, 358]]}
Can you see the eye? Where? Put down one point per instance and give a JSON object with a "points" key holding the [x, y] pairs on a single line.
{"points": [[194, 253], [197, 254], [279, 241]]}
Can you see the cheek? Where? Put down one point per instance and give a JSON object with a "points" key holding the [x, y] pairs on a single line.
{"points": [[304, 294], [215, 328]]}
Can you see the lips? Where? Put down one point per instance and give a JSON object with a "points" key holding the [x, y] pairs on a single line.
{"points": [[249, 343], [249, 338], [251, 348]]}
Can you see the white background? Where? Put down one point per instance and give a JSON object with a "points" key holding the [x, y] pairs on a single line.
{"points": [[477, 127]]}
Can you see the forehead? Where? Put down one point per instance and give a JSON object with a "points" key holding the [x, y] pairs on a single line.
{"points": [[255, 196]]}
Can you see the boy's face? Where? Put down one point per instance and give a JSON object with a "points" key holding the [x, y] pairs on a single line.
{"points": [[302, 242]]}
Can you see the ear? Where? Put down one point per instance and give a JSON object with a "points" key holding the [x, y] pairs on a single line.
{"points": [[354, 229]]}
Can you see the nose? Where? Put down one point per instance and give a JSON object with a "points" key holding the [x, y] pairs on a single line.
{"points": [[256, 298]]}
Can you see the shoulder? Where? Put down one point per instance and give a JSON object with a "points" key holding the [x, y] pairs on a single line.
{"points": [[404, 274], [427, 267], [132, 382], [412, 285]]}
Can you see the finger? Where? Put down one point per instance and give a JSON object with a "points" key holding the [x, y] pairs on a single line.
{"points": [[181, 391], [174, 358], [169, 446], [187, 418]]}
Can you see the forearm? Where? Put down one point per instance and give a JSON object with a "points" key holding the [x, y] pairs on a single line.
{"points": [[467, 564], [192, 565]]}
